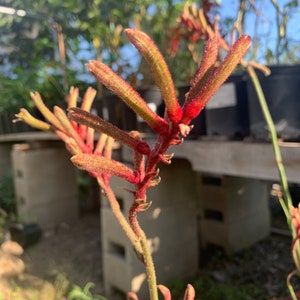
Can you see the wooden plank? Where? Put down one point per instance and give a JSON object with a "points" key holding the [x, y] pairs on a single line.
{"points": [[236, 158], [28, 136], [244, 159]]}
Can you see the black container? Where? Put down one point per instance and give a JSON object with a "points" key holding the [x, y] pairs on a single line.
{"points": [[282, 92], [227, 111], [25, 234], [153, 98], [118, 113]]}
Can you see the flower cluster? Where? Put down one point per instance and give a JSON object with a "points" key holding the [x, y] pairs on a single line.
{"points": [[196, 25], [78, 127], [192, 26]]}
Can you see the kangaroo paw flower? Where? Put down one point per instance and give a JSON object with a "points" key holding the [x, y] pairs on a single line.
{"points": [[160, 70], [115, 83], [27, 118], [132, 296], [189, 293], [155, 181], [203, 91], [101, 165], [45, 111], [165, 292], [100, 125]]}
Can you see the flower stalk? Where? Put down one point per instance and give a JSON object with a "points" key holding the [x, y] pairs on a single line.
{"points": [[77, 128]]}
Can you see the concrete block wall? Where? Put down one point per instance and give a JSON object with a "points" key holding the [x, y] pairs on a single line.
{"points": [[45, 185], [171, 228], [234, 211]]}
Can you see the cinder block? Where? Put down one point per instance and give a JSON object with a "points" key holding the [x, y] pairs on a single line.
{"points": [[44, 175], [177, 187], [235, 212], [121, 276], [170, 225], [45, 185], [48, 215], [235, 198], [172, 235], [112, 233], [235, 236]]}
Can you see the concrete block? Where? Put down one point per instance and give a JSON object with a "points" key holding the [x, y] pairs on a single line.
{"points": [[235, 198], [45, 184], [170, 225], [123, 277], [112, 233], [173, 239], [44, 175], [177, 187], [49, 216], [235, 236], [235, 212]]}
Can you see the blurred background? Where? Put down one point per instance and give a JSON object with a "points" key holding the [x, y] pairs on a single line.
{"points": [[45, 44]]}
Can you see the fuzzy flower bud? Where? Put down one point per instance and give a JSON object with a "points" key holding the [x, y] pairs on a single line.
{"points": [[205, 90], [101, 165], [120, 87], [160, 71], [100, 125]]}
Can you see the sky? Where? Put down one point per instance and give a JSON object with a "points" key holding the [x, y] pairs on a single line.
{"points": [[266, 18]]}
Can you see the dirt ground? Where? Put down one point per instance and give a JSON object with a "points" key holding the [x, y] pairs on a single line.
{"points": [[75, 250]]}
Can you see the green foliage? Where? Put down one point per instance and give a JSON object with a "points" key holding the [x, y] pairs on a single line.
{"points": [[3, 222], [208, 289], [7, 202], [78, 293], [61, 285], [29, 56]]}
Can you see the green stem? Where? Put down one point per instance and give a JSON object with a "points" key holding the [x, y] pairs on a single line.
{"points": [[149, 265], [283, 179], [137, 237], [147, 256], [289, 285], [283, 206], [160, 148], [274, 138]]}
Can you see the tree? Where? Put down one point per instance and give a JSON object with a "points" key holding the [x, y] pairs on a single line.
{"points": [[30, 57]]}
